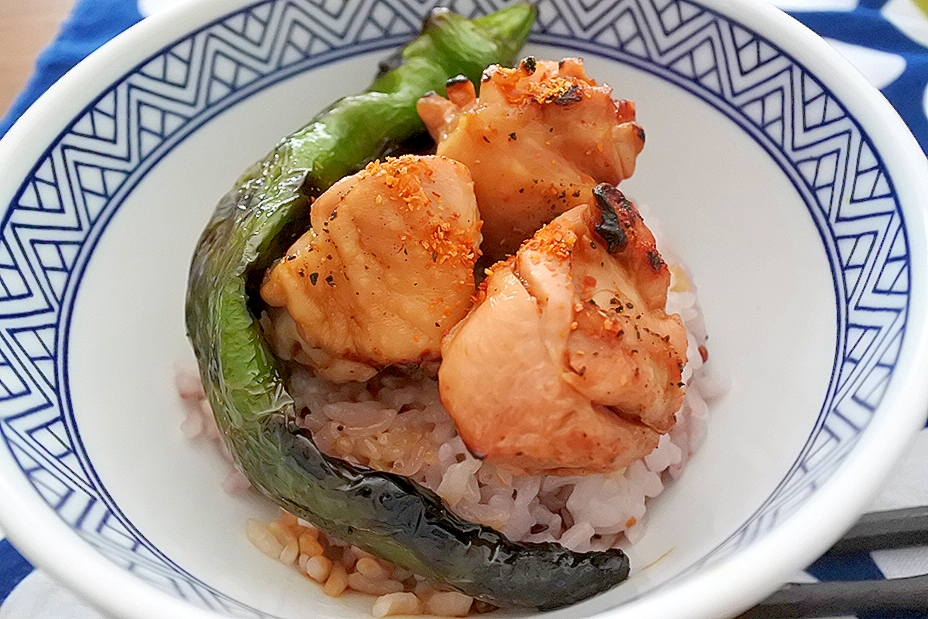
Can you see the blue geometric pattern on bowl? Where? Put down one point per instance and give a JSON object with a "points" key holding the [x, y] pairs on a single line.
{"points": [[50, 230]]}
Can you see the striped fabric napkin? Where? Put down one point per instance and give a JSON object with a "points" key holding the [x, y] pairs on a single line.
{"points": [[886, 39]]}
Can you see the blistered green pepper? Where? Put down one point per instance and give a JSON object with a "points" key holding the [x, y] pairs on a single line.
{"points": [[382, 513]]}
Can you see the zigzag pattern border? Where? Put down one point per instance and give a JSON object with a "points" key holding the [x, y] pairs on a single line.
{"points": [[857, 214], [74, 189]]}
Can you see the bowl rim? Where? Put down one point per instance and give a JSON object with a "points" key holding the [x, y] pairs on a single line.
{"points": [[730, 584]]}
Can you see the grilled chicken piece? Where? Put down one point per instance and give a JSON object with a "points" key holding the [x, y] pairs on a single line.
{"points": [[568, 364], [385, 271], [537, 141]]}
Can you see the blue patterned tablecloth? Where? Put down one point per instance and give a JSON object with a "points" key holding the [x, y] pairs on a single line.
{"points": [[886, 39]]}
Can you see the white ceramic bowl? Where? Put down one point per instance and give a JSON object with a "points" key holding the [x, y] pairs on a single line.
{"points": [[787, 184]]}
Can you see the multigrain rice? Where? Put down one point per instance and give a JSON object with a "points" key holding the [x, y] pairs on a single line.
{"points": [[340, 567], [395, 422]]}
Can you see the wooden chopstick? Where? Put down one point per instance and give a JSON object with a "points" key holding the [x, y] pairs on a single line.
{"points": [[876, 530], [894, 528], [832, 599]]}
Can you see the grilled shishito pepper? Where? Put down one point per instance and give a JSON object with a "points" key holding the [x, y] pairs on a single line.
{"points": [[385, 514]]}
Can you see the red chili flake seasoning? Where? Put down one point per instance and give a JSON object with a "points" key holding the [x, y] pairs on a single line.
{"points": [[703, 353]]}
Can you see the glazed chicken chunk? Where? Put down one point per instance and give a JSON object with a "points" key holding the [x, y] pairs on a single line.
{"points": [[537, 141], [578, 365], [385, 271]]}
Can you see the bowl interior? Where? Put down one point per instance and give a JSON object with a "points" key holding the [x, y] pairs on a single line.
{"points": [[759, 181]]}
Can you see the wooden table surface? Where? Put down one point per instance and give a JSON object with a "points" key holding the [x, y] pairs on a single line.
{"points": [[26, 26]]}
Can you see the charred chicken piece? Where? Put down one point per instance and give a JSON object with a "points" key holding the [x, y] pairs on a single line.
{"points": [[537, 140], [578, 364], [385, 271]]}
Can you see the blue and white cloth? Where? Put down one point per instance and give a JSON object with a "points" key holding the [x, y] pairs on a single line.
{"points": [[886, 39]]}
